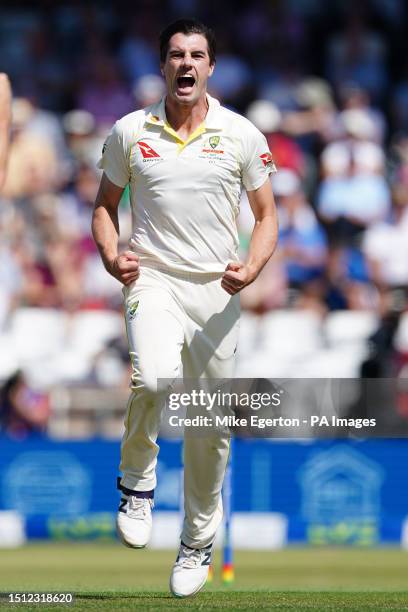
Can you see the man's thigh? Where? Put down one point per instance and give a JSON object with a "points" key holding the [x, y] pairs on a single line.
{"points": [[155, 333], [212, 328]]}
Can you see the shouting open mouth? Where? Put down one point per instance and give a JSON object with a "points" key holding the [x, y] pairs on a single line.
{"points": [[185, 84]]}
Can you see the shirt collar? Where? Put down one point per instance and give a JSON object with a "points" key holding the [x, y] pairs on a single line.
{"points": [[157, 114], [213, 120]]}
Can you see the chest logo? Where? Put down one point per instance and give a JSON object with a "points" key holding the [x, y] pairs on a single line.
{"points": [[147, 151], [214, 141], [212, 146]]}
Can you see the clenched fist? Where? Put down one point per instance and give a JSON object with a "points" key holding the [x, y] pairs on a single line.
{"points": [[236, 276], [125, 267]]}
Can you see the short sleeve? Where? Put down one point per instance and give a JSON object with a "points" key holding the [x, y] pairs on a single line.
{"points": [[257, 162], [114, 158]]}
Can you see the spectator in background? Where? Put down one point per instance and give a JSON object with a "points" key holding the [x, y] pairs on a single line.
{"points": [[353, 193], [351, 199], [316, 113], [302, 241], [38, 123], [97, 289], [385, 246], [295, 274], [346, 281], [352, 196], [5, 121], [23, 411], [82, 141], [268, 119], [354, 98], [75, 208], [313, 123], [34, 162]]}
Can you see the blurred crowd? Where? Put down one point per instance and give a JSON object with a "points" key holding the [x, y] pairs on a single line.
{"points": [[327, 83]]}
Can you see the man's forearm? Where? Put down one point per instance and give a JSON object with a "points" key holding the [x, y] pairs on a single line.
{"points": [[263, 243], [5, 121], [105, 230], [4, 145]]}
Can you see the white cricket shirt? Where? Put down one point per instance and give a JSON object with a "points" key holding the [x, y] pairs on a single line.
{"points": [[185, 194]]}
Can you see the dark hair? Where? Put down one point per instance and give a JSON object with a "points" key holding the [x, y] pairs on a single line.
{"points": [[187, 26]]}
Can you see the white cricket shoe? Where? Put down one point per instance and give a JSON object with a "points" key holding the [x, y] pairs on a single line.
{"points": [[134, 520], [190, 570]]}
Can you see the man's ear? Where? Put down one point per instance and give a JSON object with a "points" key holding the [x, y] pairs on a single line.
{"points": [[162, 68], [212, 66]]}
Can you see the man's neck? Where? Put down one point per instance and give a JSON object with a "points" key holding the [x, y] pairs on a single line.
{"points": [[185, 119]]}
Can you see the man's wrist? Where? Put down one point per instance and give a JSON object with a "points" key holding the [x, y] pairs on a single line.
{"points": [[109, 262], [253, 270]]}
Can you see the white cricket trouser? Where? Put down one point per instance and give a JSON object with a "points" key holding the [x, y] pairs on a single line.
{"points": [[176, 323]]}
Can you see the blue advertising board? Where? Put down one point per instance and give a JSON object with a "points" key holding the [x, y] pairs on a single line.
{"points": [[341, 492]]}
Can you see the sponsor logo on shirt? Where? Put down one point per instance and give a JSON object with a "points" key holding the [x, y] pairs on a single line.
{"points": [[147, 151], [267, 160]]}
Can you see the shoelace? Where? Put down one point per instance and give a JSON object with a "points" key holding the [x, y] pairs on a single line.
{"points": [[138, 507], [189, 557]]}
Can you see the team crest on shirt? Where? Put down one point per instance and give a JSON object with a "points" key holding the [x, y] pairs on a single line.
{"points": [[131, 310], [212, 147], [214, 141]]}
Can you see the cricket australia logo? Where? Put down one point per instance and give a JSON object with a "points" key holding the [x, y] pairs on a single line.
{"points": [[214, 141], [131, 310], [213, 146]]}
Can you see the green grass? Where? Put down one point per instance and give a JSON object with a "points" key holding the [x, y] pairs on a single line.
{"points": [[111, 577]]}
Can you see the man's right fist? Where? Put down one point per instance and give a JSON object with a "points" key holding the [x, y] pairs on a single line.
{"points": [[125, 267]]}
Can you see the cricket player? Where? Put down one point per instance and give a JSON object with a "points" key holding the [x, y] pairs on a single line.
{"points": [[186, 159], [5, 121]]}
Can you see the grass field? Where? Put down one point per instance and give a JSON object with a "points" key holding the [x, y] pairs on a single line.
{"points": [[111, 577]]}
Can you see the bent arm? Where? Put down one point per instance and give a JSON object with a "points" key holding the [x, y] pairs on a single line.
{"points": [[105, 229], [265, 233], [105, 221], [263, 241]]}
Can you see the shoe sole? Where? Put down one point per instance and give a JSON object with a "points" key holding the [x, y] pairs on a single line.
{"points": [[125, 543], [190, 594]]}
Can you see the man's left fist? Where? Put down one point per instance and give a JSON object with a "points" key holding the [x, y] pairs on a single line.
{"points": [[236, 276]]}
